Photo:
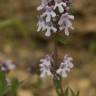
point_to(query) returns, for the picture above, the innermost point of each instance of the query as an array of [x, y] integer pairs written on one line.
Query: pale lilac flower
[[65, 23], [50, 28], [7, 66], [8, 81], [60, 5], [49, 13], [41, 24], [45, 67], [65, 66]]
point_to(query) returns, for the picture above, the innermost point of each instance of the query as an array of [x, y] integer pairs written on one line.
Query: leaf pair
[[70, 92], [8, 90]]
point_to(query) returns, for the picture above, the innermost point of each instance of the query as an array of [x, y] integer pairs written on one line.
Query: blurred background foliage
[[20, 42]]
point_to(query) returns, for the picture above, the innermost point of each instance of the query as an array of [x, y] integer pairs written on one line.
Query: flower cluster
[[47, 69], [65, 66], [45, 66], [55, 16]]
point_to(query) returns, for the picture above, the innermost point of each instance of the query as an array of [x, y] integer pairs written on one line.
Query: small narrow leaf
[[60, 39], [66, 93], [72, 92]]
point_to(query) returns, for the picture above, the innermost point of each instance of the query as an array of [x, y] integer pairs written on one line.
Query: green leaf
[[5, 89], [72, 92], [66, 93], [2, 76], [60, 39], [14, 87]]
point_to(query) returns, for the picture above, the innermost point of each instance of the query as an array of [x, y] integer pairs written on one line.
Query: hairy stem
[[57, 82], [55, 51]]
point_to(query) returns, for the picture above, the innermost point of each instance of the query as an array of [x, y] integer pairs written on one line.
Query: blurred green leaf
[[72, 92], [78, 93], [6, 23], [3, 84], [60, 39], [15, 84], [15, 23], [2, 76]]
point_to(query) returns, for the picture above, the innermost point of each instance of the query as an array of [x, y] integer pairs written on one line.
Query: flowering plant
[[55, 18], [7, 87]]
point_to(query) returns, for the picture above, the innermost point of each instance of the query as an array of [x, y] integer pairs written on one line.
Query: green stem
[[58, 87]]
